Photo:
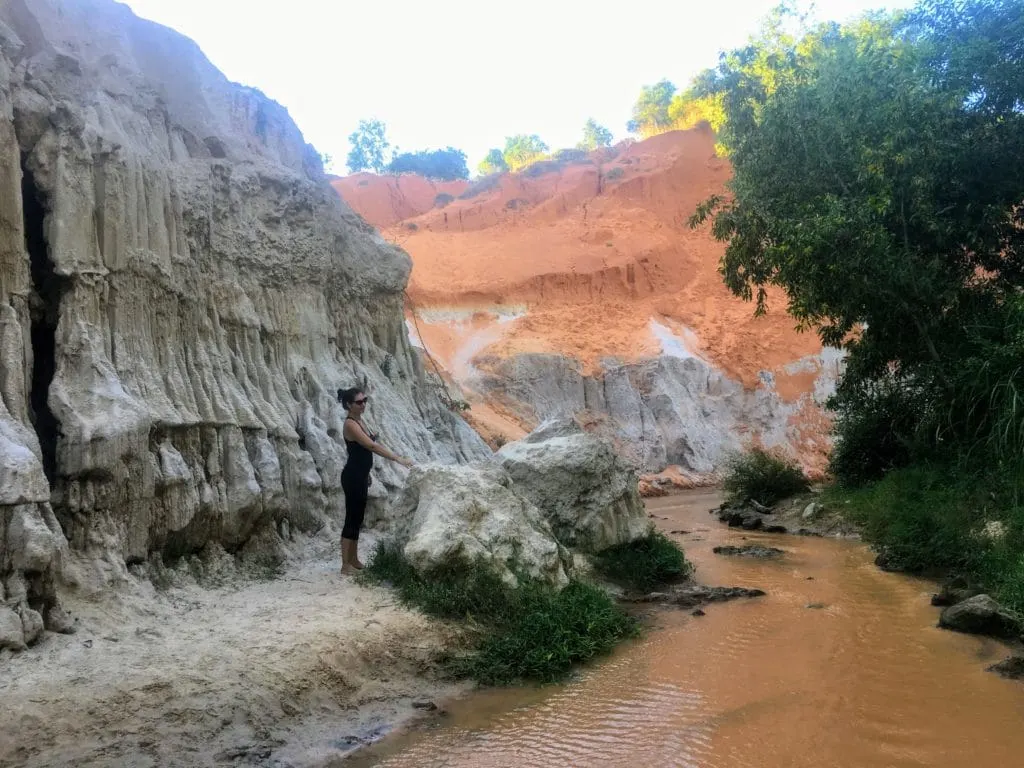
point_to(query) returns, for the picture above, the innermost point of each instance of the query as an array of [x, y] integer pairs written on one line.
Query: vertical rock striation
[[181, 295]]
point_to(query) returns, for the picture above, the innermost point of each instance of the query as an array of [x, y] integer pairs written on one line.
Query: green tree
[[369, 147], [650, 112], [523, 149], [876, 180], [442, 164], [595, 136], [494, 162]]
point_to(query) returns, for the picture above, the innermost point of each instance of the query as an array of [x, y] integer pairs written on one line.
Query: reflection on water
[[867, 681]]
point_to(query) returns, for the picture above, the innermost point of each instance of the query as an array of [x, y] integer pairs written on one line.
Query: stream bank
[[839, 664]]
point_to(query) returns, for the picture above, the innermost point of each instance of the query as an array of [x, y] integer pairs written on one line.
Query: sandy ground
[[290, 671]]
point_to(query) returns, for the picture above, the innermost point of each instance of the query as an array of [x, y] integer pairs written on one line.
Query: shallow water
[[866, 681]]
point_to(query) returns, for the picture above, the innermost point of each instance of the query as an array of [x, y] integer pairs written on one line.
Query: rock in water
[[183, 293], [452, 514], [752, 550], [980, 615], [587, 493], [955, 591], [1012, 668]]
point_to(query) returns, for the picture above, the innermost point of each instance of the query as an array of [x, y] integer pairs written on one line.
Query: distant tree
[[493, 163], [369, 147], [595, 136], [523, 149], [650, 112], [443, 164]]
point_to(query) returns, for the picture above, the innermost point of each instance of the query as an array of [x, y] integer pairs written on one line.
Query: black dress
[[355, 482]]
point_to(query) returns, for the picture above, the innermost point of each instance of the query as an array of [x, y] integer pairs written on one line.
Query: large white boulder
[[586, 492], [452, 513]]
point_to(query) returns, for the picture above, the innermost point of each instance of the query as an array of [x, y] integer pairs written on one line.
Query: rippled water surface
[[867, 681]]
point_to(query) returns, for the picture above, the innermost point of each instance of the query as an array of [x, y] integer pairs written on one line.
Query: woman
[[355, 478]]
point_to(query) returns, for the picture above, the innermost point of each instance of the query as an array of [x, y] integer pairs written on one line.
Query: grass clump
[[931, 519], [645, 564], [529, 632], [764, 476]]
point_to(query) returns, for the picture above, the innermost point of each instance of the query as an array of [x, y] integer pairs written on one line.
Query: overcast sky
[[464, 73]]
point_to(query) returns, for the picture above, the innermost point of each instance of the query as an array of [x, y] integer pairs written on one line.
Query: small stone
[[816, 606], [809, 578], [428, 706], [775, 529], [698, 612], [811, 511], [1012, 668], [32, 625], [57, 620], [12, 635]]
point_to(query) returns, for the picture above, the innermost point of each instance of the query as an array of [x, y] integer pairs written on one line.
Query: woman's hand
[[405, 462]]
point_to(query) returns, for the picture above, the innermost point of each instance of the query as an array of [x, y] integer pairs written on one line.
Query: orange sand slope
[[592, 260]]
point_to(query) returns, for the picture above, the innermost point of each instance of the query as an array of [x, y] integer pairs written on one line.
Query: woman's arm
[[355, 432]]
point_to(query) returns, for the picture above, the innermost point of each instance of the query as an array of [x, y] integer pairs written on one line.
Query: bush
[[532, 632], [572, 156], [442, 199], [541, 167], [764, 476], [876, 428], [614, 174], [443, 164], [917, 521], [644, 564], [481, 185]]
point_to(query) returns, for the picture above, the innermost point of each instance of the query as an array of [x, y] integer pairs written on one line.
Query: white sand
[[286, 672]]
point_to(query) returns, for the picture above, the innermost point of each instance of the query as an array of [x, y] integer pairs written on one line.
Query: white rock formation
[[181, 295], [585, 491], [667, 411], [448, 514]]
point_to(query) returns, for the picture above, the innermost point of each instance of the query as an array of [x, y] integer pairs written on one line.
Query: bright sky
[[465, 73]]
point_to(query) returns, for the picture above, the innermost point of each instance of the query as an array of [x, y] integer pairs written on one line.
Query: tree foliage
[[650, 112], [442, 164], [369, 147], [877, 181], [523, 149], [594, 136], [494, 162]]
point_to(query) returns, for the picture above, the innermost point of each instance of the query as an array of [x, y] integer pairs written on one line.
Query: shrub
[[764, 476], [443, 164], [532, 631], [442, 199], [644, 564], [572, 156], [614, 174], [541, 167], [481, 185]]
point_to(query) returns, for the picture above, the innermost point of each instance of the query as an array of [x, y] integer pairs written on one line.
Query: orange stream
[[866, 682]]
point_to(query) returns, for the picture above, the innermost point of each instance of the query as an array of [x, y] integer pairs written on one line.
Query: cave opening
[[45, 310]]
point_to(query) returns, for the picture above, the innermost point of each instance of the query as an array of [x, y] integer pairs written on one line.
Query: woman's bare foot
[[359, 565], [349, 569]]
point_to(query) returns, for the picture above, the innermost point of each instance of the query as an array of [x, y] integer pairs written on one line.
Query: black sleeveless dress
[[355, 482]]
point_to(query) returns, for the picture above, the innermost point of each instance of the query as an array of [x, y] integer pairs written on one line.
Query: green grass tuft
[[532, 632], [929, 519], [645, 564], [764, 476]]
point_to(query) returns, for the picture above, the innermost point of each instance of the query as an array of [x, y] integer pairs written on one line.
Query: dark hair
[[348, 396]]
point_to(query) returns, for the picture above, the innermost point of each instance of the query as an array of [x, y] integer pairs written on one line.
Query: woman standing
[[355, 478]]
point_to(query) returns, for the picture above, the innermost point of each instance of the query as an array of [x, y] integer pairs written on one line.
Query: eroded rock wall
[[666, 411], [181, 295]]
